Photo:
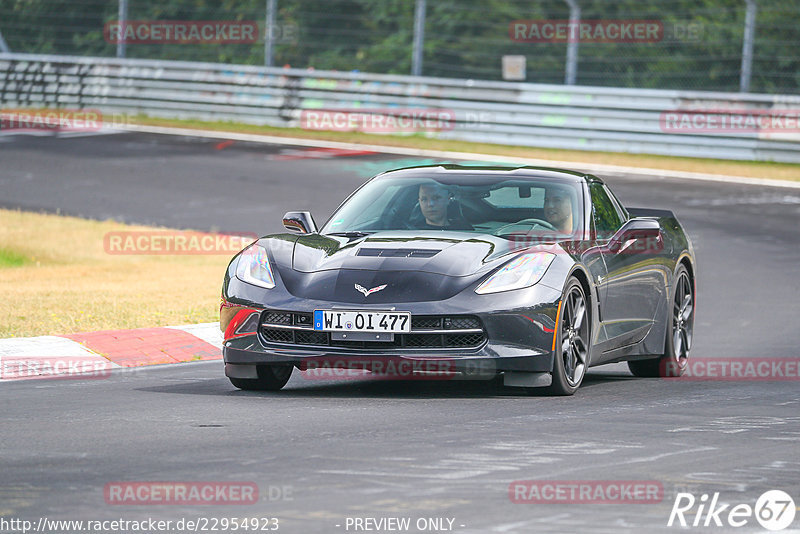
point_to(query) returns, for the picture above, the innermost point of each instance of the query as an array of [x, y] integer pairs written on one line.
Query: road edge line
[[404, 151]]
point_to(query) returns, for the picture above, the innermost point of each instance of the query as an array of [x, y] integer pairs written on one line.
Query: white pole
[[269, 33], [3, 46], [572, 45], [419, 38], [122, 17], [747, 46]]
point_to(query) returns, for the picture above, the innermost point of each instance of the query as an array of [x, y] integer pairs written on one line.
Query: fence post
[[572, 42], [419, 38], [269, 32], [3, 46], [747, 46], [122, 18]]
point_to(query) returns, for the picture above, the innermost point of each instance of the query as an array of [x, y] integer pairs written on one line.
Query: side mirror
[[299, 221], [637, 228]]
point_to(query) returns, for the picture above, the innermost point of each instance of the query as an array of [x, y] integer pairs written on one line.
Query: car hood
[[411, 266], [435, 252]]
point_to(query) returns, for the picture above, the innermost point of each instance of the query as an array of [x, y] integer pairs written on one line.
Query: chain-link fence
[[667, 44]]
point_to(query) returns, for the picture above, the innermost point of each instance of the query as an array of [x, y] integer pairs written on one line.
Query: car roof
[[523, 171]]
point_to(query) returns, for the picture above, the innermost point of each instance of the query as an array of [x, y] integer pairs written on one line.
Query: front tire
[[675, 360], [270, 378], [573, 339]]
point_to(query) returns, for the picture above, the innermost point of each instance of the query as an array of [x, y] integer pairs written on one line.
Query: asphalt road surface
[[327, 453]]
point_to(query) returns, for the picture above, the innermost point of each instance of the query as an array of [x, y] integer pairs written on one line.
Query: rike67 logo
[[774, 510]]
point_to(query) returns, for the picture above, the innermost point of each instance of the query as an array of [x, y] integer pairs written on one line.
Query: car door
[[634, 284]]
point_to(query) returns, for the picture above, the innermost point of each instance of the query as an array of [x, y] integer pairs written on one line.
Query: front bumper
[[518, 328]]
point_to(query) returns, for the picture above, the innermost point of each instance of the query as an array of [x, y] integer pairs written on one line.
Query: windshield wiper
[[351, 234]]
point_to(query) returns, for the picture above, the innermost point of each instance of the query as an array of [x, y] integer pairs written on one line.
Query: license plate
[[361, 321]]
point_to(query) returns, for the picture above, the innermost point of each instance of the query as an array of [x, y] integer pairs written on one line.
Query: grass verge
[[10, 258], [753, 169], [57, 278]]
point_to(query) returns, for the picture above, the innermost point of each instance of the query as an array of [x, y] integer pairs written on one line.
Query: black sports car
[[532, 273]]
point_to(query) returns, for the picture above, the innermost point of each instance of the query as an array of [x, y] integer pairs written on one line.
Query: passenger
[[558, 209]]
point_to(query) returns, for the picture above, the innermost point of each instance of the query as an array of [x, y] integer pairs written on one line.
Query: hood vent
[[398, 252]]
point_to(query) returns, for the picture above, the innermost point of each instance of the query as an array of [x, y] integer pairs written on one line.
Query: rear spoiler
[[650, 212]]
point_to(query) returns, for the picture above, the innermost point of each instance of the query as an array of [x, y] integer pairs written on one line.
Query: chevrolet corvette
[[532, 274]]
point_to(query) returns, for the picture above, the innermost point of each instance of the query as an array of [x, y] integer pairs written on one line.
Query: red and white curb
[[96, 354], [318, 153]]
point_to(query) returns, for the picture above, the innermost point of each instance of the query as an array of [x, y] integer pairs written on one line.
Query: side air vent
[[398, 252]]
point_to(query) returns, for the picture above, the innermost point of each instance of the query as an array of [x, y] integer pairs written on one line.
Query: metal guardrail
[[524, 114]]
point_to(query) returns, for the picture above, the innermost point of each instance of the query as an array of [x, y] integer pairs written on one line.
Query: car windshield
[[486, 204]]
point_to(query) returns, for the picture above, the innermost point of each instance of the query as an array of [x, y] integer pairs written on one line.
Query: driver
[[558, 209], [433, 202]]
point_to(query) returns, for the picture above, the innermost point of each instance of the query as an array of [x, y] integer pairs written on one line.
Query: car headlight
[[253, 267], [523, 271]]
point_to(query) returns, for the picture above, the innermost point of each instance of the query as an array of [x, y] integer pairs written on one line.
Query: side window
[[604, 215], [620, 208]]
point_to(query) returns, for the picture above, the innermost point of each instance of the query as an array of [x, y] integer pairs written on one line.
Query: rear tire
[[573, 339], [270, 378], [679, 332]]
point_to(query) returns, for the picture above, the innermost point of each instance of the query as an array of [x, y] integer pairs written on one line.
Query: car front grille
[[280, 318], [427, 331]]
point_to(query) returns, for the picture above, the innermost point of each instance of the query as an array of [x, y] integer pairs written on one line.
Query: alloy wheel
[[574, 336]]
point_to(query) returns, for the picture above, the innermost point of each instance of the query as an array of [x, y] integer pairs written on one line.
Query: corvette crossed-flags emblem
[[368, 292]]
